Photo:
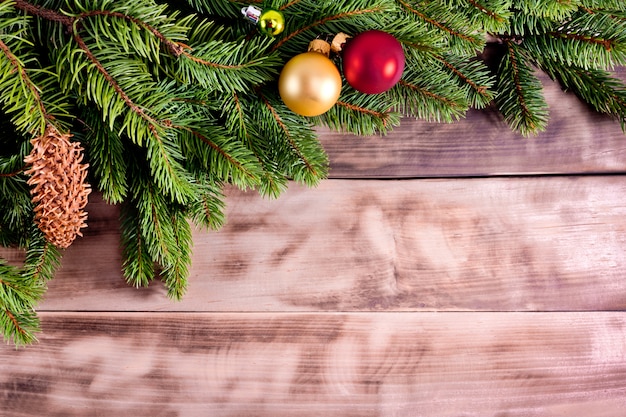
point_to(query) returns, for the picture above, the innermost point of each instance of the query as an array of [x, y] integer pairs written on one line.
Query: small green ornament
[[270, 22]]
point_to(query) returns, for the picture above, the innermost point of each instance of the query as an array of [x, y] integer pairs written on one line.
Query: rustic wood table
[[443, 270]]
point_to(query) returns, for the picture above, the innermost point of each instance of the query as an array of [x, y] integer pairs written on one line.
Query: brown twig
[[480, 89], [430, 94], [485, 10], [47, 14], [20, 69], [435, 23], [322, 21], [286, 131], [606, 43], [518, 86], [175, 48], [380, 115], [15, 322], [216, 148]]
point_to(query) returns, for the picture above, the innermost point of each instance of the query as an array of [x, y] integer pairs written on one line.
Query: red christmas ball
[[373, 61]]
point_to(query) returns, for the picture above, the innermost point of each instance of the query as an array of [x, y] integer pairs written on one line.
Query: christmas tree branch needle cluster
[[158, 105]]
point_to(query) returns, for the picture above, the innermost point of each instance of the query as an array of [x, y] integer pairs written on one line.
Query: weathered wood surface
[[500, 244], [576, 141], [340, 364], [463, 285]]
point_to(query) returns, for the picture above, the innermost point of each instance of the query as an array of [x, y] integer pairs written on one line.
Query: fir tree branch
[[599, 88], [437, 24], [138, 265], [19, 91], [384, 117], [285, 130], [208, 209], [487, 11], [21, 289], [40, 11], [233, 161], [520, 98], [492, 17], [167, 171], [613, 100], [243, 131], [162, 160], [12, 174], [16, 215], [175, 48], [286, 5], [586, 40], [69, 23], [429, 94], [216, 65], [7, 284], [519, 89], [323, 21], [556, 10], [237, 119], [419, 101], [42, 258], [162, 235], [106, 156], [71, 26], [113, 83], [18, 329], [482, 90], [225, 65], [175, 274], [155, 226], [607, 44], [361, 114], [26, 81], [18, 295]]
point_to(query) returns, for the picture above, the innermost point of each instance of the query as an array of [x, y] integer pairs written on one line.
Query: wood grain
[[494, 244], [576, 141], [350, 364], [484, 293]]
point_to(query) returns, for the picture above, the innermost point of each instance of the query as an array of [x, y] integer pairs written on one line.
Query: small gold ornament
[[310, 83], [58, 186]]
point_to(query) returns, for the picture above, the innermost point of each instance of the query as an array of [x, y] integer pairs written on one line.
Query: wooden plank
[[577, 140], [554, 243], [286, 364]]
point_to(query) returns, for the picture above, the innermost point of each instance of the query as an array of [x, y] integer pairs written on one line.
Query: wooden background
[[444, 270]]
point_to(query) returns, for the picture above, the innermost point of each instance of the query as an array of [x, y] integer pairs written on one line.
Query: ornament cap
[[339, 41], [320, 46], [252, 13]]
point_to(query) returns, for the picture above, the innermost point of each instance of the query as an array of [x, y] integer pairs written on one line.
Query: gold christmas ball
[[309, 84]]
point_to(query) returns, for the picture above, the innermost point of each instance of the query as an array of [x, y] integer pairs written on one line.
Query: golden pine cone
[[58, 184]]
